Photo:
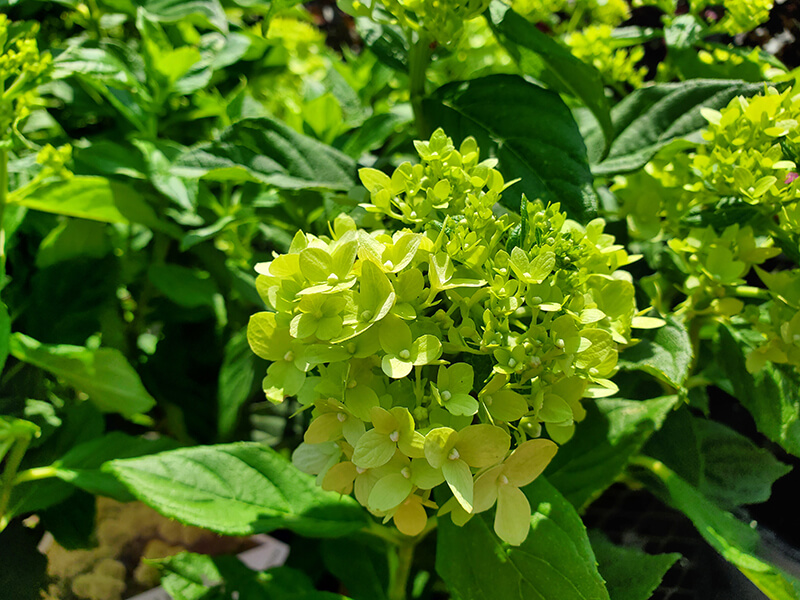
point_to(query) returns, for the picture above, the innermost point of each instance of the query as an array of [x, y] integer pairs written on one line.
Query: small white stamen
[[446, 395], [394, 436], [342, 417], [406, 472], [454, 455]]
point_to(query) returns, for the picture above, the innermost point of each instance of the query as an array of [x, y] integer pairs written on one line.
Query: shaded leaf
[[665, 353]]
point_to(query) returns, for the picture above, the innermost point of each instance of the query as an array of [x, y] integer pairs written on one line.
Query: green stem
[[35, 474], [3, 198], [398, 583], [418, 60], [9, 476], [749, 291]]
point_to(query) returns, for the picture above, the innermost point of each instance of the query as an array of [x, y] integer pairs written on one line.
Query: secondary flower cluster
[[745, 172], [427, 350]]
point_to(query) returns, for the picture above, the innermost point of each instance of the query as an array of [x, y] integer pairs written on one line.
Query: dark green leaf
[[24, 570], [236, 378], [772, 395], [5, 334], [630, 574], [612, 433], [268, 151], [529, 129], [665, 353], [183, 286], [103, 374], [202, 12], [723, 465], [540, 56], [555, 562], [374, 132], [238, 489], [363, 570], [72, 522], [653, 116], [737, 542]]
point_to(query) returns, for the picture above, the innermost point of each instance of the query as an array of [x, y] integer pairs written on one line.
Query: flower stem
[[418, 60], [398, 583], [10, 475]]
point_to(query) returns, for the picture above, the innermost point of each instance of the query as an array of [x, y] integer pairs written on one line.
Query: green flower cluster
[[21, 70], [439, 20], [742, 16], [747, 167], [594, 45], [427, 349], [604, 12]]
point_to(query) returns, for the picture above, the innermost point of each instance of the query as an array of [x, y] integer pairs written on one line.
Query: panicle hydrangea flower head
[[434, 350]]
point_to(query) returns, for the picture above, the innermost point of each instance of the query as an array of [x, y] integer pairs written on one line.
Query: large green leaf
[[653, 116], [95, 198], [772, 395], [736, 541], [540, 56], [103, 374], [184, 286], [5, 334], [630, 574], [238, 489], [24, 571], [722, 464], [612, 433], [665, 353], [268, 151], [555, 562], [531, 132]]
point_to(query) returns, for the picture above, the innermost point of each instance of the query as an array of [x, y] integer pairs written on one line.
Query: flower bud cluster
[[22, 68], [425, 351], [745, 172], [594, 46]]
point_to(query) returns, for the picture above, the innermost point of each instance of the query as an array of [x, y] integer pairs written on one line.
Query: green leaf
[[555, 561], [374, 132], [81, 466], [722, 464], [653, 116], [736, 541], [184, 286], [5, 334], [531, 132], [612, 433], [95, 198], [103, 374], [201, 12], [772, 395], [543, 58], [268, 151], [236, 377], [362, 569], [72, 522], [665, 353], [238, 489], [630, 574]]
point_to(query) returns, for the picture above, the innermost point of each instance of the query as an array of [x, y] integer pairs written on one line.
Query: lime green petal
[[329, 327], [344, 256], [512, 522], [363, 485], [376, 295], [412, 444], [324, 428], [485, 493], [561, 434], [395, 367], [506, 405], [340, 478], [555, 410], [395, 336], [425, 350], [373, 450], [360, 400], [459, 378], [315, 264], [312, 458], [438, 444], [410, 518], [528, 461], [459, 478], [266, 339], [353, 429], [483, 445], [383, 420], [462, 405], [541, 267], [389, 492], [425, 476]]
